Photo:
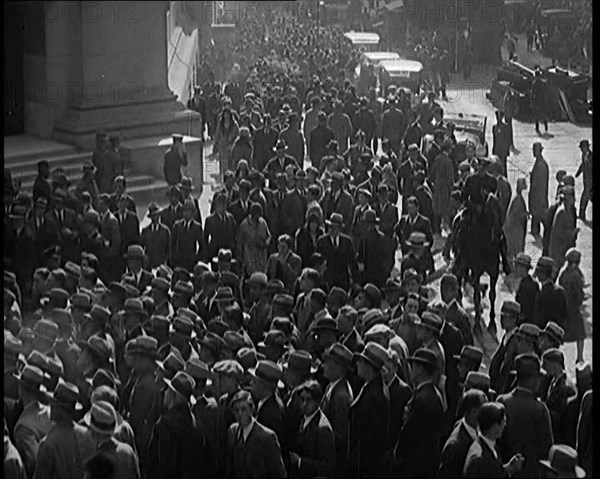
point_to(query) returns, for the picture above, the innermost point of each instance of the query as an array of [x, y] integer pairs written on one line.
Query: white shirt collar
[[309, 418], [248, 429], [470, 430], [491, 444]]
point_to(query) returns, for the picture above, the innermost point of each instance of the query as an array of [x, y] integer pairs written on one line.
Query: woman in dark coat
[[307, 236]]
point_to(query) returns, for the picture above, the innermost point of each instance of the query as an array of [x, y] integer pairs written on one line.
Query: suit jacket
[[172, 166], [528, 429], [369, 429], [526, 296], [114, 207], [294, 206], [187, 244], [259, 456], [273, 168], [41, 188], [400, 394], [316, 447], [336, 406], [550, 305], [142, 396], [585, 434], [481, 461], [144, 281], [219, 232], [271, 414], [238, 211], [46, 235], [405, 228], [341, 261], [369, 252], [498, 374], [344, 205], [110, 230], [418, 448], [286, 271], [304, 245], [557, 396], [169, 215], [455, 452], [157, 242], [130, 230], [67, 241]]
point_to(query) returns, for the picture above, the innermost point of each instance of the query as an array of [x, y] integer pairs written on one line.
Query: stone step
[[71, 163], [146, 193], [132, 181], [29, 149]]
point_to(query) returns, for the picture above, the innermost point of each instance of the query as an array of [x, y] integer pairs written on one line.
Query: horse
[[479, 252]]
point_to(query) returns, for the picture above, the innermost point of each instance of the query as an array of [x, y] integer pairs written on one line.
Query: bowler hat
[[268, 372], [424, 356], [183, 384], [554, 331], [562, 461], [335, 219], [374, 354]]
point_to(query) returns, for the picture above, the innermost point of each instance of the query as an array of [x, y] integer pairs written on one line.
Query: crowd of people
[[277, 336]]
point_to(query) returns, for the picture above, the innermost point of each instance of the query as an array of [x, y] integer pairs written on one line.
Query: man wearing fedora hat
[[136, 274], [34, 421], [102, 423], [370, 260], [220, 227], [338, 250], [63, 451], [562, 461], [175, 447], [111, 232], [538, 192], [417, 452], [528, 425], [278, 163], [559, 391], [156, 238], [186, 188], [369, 415], [337, 200], [284, 265], [173, 211], [527, 289], [551, 302], [583, 377], [188, 242], [175, 157], [319, 139]]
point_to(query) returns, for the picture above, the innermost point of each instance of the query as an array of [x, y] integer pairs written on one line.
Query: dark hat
[[554, 331], [72, 268], [554, 355], [135, 251], [511, 307], [224, 293], [370, 217], [100, 313], [172, 363], [58, 295], [102, 418], [528, 331], [301, 361], [410, 274], [283, 299], [144, 346], [562, 461], [218, 326], [545, 263], [31, 376], [478, 380], [186, 183], [371, 318], [61, 316], [134, 305], [184, 288], [184, 326], [325, 323], [213, 342], [153, 210], [130, 290], [337, 295], [228, 367], [66, 395], [233, 341], [160, 284], [197, 369], [583, 372], [337, 176], [584, 143], [183, 384], [117, 288], [273, 338], [82, 301], [431, 321], [378, 330], [258, 279], [177, 138], [12, 346], [245, 185], [224, 256], [523, 259], [335, 219], [159, 324], [97, 346], [424, 356], [103, 378], [340, 353], [470, 354], [247, 357], [374, 354], [268, 372], [527, 365]]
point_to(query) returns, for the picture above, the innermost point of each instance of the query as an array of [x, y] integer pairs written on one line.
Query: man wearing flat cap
[[528, 426], [175, 158]]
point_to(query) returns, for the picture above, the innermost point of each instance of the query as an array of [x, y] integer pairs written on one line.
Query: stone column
[[113, 55]]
